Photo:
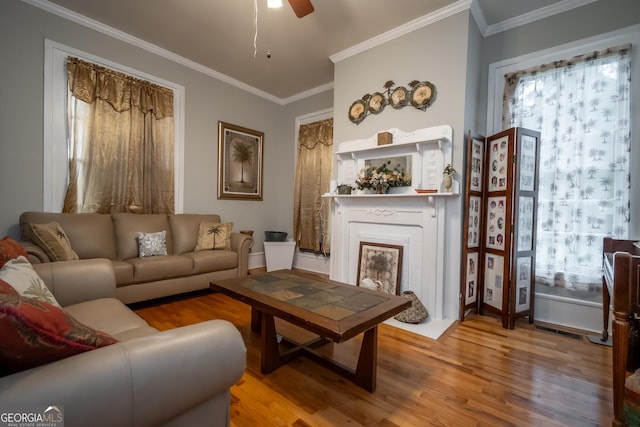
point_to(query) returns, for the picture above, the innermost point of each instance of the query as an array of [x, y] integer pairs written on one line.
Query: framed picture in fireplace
[[380, 267]]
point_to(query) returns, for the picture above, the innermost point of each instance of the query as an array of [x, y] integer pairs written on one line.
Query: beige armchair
[[179, 377]]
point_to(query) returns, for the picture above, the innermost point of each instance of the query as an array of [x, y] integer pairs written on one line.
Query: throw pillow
[[53, 241], [20, 274], [35, 332], [10, 249], [152, 244], [212, 235]]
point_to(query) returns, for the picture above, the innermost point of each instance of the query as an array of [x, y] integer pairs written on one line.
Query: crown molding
[[416, 24], [536, 15], [149, 47], [423, 21], [307, 93], [478, 15]]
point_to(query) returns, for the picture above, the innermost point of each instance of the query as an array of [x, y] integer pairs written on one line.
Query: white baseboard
[[257, 260], [311, 262], [302, 260]]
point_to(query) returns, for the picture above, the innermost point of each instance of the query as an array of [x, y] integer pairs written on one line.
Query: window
[[120, 140], [314, 165], [581, 107]]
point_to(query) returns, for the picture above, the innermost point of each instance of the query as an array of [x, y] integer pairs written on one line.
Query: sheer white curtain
[[582, 109]]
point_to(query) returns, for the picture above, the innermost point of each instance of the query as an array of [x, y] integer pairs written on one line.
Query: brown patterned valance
[[89, 81]]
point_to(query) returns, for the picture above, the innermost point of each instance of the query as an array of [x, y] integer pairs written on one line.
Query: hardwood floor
[[476, 374]]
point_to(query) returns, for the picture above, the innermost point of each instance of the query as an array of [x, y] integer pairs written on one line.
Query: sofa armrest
[[145, 381], [72, 282], [34, 252], [242, 244]]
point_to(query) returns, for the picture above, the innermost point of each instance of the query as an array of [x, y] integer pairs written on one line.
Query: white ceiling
[[219, 34]]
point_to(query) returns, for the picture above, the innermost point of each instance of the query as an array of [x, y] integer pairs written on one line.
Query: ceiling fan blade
[[301, 7]]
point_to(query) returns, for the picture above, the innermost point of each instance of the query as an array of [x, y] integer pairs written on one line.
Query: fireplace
[[414, 221]]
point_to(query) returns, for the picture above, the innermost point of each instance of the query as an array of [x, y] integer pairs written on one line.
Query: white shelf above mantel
[[429, 199], [407, 141], [358, 196]]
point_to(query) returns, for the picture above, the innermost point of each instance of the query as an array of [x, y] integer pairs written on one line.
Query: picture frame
[[240, 162], [382, 264], [471, 294], [477, 158]]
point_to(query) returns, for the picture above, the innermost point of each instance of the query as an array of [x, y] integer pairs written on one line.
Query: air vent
[[559, 332]]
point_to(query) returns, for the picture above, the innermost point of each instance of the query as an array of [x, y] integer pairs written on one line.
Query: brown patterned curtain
[[313, 174], [121, 142]]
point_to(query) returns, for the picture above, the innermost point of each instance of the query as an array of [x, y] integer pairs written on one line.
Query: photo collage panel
[[497, 228], [525, 223], [476, 165], [523, 283], [527, 163], [498, 164], [494, 280], [475, 220], [472, 278]]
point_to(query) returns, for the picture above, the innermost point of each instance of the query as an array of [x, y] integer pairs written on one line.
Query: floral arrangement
[[380, 178], [449, 170]]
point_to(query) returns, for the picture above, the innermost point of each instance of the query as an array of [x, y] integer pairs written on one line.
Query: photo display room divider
[[500, 225]]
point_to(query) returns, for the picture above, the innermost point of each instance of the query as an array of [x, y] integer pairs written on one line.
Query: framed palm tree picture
[[240, 160]]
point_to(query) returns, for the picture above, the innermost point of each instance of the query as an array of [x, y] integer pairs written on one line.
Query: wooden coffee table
[[333, 311]]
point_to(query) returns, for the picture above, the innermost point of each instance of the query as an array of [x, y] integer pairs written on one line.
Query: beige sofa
[[179, 377], [114, 236]]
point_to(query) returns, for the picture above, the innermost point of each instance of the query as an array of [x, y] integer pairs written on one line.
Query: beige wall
[[24, 28]]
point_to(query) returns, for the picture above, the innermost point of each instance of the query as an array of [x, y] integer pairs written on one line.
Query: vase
[[381, 190], [447, 181]]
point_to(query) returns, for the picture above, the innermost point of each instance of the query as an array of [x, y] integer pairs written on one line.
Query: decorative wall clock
[[377, 103], [357, 111], [398, 97], [422, 94]]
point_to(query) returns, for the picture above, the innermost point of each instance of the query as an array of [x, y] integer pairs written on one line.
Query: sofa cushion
[[206, 261], [158, 268], [35, 332], [124, 272], [214, 235], [128, 225], [53, 241], [184, 230], [77, 226], [22, 277], [10, 249], [111, 316], [152, 244]]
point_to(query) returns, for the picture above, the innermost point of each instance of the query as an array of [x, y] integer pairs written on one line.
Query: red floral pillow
[[35, 332], [10, 249]]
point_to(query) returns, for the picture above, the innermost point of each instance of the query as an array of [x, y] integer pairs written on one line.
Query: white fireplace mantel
[[414, 221], [429, 150]]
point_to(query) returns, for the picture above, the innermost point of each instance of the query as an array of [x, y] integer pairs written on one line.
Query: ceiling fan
[[301, 7]]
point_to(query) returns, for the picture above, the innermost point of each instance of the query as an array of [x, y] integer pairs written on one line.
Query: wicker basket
[[414, 314]]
